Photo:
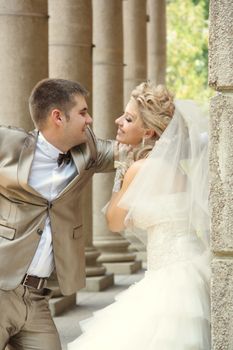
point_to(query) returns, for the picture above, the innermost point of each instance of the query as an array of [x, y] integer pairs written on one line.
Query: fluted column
[[24, 57], [107, 105], [135, 70], [156, 41], [221, 170], [135, 45], [70, 57]]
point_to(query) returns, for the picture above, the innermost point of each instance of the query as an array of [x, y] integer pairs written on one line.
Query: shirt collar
[[50, 150]]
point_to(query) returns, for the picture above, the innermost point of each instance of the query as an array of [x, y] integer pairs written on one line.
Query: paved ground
[[87, 302]]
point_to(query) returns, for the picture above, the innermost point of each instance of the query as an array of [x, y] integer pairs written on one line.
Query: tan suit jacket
[[23, 211]]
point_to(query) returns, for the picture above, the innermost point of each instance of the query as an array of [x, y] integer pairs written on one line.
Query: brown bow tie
[[63, 158]]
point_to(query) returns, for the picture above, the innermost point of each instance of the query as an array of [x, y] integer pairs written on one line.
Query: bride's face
[[130, 128]]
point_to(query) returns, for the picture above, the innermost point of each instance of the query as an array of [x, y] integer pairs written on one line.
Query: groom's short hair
[[53, 93]]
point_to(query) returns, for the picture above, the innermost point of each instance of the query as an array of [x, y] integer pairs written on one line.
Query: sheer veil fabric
[[175, 172]]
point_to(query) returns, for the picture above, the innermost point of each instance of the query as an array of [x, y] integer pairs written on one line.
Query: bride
[[164, 193]]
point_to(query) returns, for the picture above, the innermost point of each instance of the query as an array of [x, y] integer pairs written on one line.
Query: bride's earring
[[143, 142]]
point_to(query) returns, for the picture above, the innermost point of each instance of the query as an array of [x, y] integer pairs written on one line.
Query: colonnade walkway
[[88, 302]]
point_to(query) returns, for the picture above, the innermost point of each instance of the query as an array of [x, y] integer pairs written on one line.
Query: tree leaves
[[187, 49]]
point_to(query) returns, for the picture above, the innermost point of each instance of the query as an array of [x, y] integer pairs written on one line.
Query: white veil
[[172, 184]]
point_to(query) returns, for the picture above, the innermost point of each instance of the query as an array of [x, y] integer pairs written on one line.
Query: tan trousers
[[25, 320]]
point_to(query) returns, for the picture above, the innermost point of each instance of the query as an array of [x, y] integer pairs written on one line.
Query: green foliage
[[187, 49]]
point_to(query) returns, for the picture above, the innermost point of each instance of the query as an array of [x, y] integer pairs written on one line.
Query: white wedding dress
[[169, 309]]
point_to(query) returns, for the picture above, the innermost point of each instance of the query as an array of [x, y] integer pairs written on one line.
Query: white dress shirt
[[49, 180]]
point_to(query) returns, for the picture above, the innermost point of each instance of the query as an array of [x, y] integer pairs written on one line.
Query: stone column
[[135, 45], [70, 57], [221, 170], [107, 105], [24, 57], [135, 70], [156, 41]]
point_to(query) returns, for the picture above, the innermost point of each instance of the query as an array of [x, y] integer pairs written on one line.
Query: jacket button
[[39, 231]]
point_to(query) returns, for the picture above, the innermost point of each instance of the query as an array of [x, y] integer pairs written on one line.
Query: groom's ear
[[56, 116]]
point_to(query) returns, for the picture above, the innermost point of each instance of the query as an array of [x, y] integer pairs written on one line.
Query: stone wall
[[221, 171]]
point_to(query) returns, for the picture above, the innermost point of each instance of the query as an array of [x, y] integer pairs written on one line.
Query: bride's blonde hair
[[156, 108]]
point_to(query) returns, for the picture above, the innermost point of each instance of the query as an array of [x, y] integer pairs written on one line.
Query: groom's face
[[78, 119], [130, 128]]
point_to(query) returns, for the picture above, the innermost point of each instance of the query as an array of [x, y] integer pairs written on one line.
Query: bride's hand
[[123, 160]]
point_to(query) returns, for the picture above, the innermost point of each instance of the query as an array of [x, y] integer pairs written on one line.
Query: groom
[[42, 174]]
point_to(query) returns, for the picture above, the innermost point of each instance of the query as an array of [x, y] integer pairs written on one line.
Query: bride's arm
[[115, 216]]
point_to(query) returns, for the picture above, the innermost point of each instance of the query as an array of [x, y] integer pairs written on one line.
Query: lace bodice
[[169, 242], [169, 236]]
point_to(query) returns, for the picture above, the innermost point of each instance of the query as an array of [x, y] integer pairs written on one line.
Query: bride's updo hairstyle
[[156, 108]]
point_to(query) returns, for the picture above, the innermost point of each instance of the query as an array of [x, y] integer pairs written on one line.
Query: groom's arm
[[106, 150], [11, 142], [103, 152]]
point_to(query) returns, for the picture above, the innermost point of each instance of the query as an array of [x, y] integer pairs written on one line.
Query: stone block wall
[[221, 172]]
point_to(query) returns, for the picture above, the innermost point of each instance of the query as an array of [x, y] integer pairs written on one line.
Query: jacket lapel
[[80, 164], [25, 161], [78, 159]]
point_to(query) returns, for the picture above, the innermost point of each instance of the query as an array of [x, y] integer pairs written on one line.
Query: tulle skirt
[[169, 309]]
